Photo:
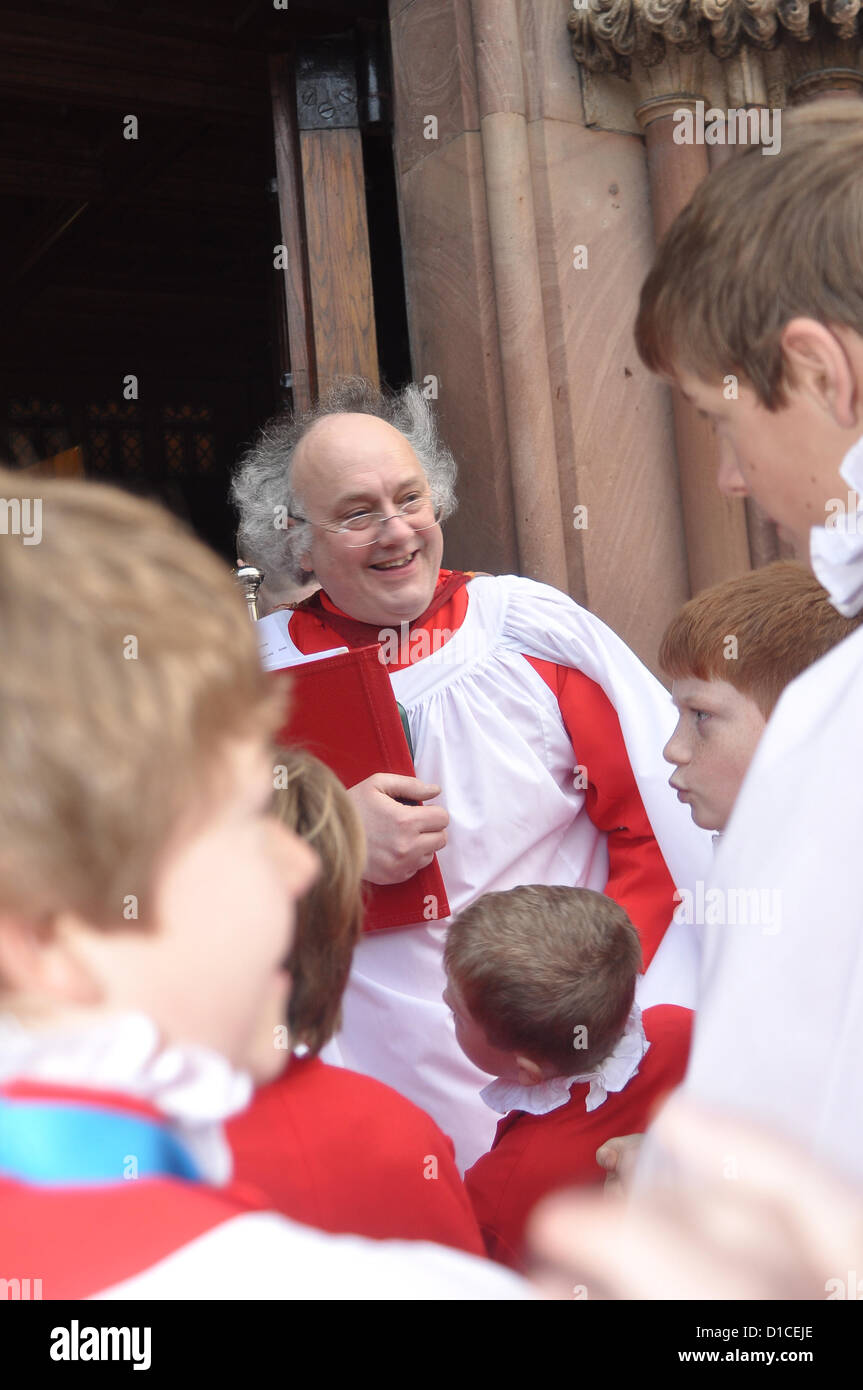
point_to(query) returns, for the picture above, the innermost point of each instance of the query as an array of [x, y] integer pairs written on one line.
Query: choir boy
[[329, 1146], [729, 653], [754, 308], [541, 983]]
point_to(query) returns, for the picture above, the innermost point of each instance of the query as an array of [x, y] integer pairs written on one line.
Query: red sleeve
[[532, 1156], [497, 1193], [347, 1154], [638, 877]]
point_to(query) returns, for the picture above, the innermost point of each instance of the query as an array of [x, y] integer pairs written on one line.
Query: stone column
[[716, 537], [518, 292]]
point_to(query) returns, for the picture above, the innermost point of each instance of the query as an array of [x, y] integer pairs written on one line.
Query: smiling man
[[537, 733], [385, 573]]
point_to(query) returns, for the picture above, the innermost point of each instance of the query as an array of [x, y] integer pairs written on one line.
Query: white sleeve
[[544, 623], [264, 1256]]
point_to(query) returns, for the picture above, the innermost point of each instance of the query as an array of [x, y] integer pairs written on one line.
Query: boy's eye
[[700, 715]]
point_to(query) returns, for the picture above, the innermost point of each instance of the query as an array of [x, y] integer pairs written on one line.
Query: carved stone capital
[[815, 84], [609, 35]]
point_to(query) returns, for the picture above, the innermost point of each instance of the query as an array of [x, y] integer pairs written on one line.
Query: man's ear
[[38, 961], [817, 363], [529, 1073], [305, 557]]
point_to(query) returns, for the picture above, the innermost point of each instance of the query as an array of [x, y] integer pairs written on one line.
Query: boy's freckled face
[[717, 732], [473, 1042]]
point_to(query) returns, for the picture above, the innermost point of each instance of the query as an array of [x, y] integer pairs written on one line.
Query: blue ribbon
[[64, 1143]]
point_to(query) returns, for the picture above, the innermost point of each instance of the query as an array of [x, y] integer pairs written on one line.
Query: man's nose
[[729, 479], [395, 528]]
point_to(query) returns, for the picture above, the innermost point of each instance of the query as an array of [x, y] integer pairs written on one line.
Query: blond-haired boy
[[147, 904]]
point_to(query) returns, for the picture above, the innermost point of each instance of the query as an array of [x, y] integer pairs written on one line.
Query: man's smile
[[402, 563]]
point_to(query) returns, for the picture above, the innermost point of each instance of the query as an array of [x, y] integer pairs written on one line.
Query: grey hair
[[262, 488]]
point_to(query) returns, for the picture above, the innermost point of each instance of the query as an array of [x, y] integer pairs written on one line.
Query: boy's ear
[[529, 1073], [818, 364], [36, 961]]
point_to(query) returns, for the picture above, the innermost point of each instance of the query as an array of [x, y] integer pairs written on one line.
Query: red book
[[343, 710]]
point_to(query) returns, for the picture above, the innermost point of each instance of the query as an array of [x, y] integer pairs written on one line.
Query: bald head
[[338, 448]]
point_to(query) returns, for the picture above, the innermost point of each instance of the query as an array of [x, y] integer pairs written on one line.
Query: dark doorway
[[141, 309]]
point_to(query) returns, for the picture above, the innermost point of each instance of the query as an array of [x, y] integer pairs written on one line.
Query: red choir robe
[[80, 1236], [347, 1154], [534, 1155], [79, 1219]]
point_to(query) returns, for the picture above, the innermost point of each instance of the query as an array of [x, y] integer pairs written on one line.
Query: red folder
[[343, 710]]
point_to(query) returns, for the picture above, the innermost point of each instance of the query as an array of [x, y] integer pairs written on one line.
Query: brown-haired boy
[[541, 983], [147, 901], [324, 1142], [757, 286], [759, 278]]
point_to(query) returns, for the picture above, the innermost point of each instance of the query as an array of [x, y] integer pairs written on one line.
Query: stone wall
[[526, 339]]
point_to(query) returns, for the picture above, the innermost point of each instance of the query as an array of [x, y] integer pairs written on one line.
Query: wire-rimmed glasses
[[370, 525]]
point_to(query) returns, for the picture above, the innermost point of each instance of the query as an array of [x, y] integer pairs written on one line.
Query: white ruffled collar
[[837, 550], [195, 1088], [611, 1075]]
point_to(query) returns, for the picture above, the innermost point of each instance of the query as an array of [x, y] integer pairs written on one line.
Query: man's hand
[[399, 839]]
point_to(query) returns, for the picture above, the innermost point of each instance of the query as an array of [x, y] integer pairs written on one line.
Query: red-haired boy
[[729, 653]]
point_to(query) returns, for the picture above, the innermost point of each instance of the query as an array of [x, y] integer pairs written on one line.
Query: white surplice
[[488, 729]]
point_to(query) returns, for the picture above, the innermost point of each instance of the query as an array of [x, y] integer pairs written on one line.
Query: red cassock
[[534, 1155], [347, 1154]]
